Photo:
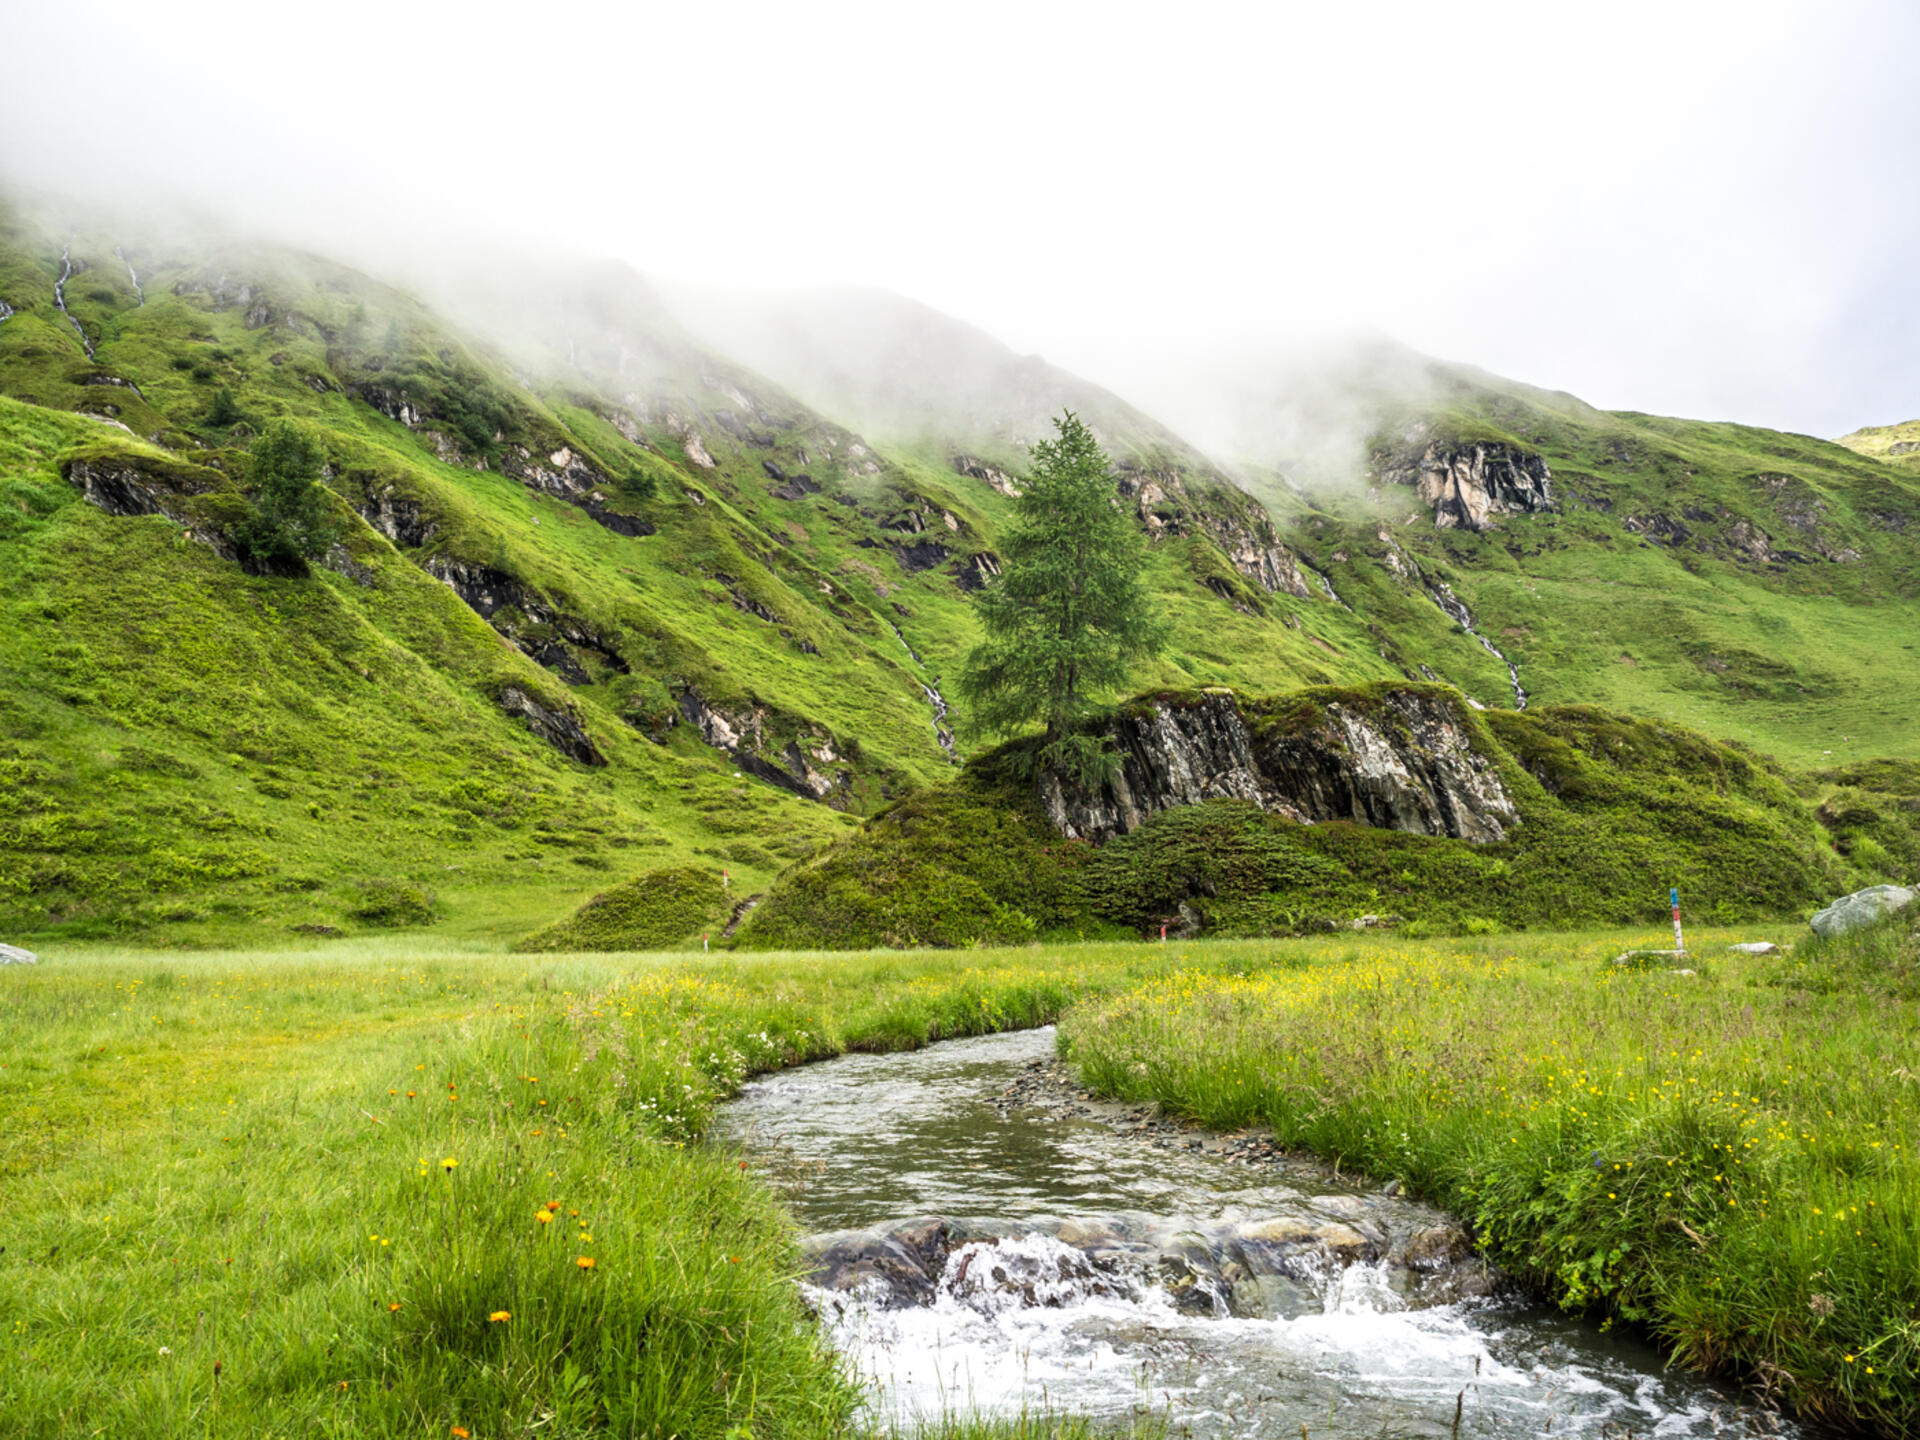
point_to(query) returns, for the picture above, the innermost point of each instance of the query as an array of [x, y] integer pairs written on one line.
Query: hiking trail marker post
[[1643, 959]]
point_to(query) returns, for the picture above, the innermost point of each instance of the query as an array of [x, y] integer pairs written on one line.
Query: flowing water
[[974, 1250]]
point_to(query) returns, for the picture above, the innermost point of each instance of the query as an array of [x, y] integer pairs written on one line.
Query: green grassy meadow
[[303, 1190]]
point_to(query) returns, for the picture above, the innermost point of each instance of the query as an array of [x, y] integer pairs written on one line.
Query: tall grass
[[264, 1193], [1727, 1157]]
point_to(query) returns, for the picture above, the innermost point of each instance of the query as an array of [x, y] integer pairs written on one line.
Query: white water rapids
[[1083, 1270]]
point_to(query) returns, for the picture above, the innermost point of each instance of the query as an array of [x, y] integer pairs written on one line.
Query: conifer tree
[[292, 521], [1068, 616]]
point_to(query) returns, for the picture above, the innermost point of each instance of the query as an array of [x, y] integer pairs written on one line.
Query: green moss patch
[[654, 911]]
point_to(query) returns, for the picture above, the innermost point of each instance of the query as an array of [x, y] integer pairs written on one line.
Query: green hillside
[[1747, 583], [1743, 582], [737, 606], [1898, 443], [608, 602]]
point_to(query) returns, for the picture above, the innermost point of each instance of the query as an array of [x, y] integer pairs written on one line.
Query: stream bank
[[985, 1236]]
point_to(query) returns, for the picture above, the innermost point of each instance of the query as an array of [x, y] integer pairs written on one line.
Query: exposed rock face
[[691, 443], [1803, 510], [556, 727], [1267, 563], [14, 955], [1861, 909], [632, 526], [976, 570], [124, 487], [1168, 508], [1660, 529], [403, 521], [923, 555], [1751, 541], [976, 468], [525, 617], [1405, 763], [562, 473], [1466, 484], [801, 765], [390, 403]]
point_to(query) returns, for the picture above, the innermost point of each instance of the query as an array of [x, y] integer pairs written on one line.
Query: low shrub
[[657, 910], [392, 904]]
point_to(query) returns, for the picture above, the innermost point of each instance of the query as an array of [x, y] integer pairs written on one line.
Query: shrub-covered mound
[[1612, 811], [654, 911]]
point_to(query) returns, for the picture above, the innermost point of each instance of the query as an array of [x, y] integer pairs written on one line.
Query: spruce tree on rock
[[1068, 617]]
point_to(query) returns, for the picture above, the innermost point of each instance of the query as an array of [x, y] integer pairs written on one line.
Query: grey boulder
[[14, 955], [1755, 947], [1860, 909]]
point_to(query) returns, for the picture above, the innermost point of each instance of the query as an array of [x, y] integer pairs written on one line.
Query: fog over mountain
[[1695, 209]]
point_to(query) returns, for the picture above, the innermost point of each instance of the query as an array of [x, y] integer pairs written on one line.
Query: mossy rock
[[656, 910]]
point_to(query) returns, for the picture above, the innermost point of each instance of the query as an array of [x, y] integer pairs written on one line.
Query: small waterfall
[[1457, 611], [942, 727], [60, 297], [132, 279], [1327, 585]]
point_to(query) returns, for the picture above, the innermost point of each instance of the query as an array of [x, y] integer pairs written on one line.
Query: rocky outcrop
[[401, 519], [562, 473], [691, 444], [1167, 508], [975, 468], [1267, 563], [554, 725], [776, 748], [127, 486], [390, 402], [1749, 540], [1802, 509], [921, 555], [1395, 759], [1466, 483], [527, 618], [14, 955], [618, 521]]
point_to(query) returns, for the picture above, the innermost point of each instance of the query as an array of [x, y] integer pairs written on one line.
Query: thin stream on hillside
[[975, 1251], [1456, 610]]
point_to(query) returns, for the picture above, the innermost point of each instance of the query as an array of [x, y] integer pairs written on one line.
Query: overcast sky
[[1699, 209]]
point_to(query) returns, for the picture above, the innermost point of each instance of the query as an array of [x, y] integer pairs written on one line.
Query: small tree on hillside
[[1068, 617], [291, 520]]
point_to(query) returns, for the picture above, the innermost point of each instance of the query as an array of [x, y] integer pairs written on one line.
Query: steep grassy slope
[[190, 751], [1745, 582], [699, 581], [1741, 581]]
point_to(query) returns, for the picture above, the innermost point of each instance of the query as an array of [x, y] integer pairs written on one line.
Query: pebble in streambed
[[987, 1236]]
